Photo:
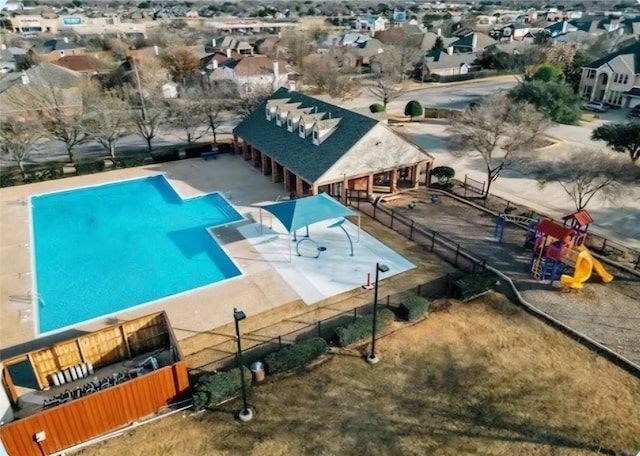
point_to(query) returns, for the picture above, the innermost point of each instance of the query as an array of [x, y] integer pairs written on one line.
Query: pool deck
[[263, 286]]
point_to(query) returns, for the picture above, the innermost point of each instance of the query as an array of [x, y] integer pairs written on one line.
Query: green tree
[[413, 109], [573, 72], [624, 138], [555, 99], [548, 73], [499, 60], [438, 45]]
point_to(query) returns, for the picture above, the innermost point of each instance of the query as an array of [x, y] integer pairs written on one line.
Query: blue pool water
[[103, 249]]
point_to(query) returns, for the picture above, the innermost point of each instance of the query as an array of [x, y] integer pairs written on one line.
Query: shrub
[[444, 174], [471, 286], [296, 355], [413, 109], [132, 161], [361, 327], [377, 107], [165, 156], [7, 180], [414, 307], [89, 166], [212, 389], [54, 171]]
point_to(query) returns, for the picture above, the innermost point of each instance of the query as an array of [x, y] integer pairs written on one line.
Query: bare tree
[[187, 115], [250, 101], [496, 129], [386, 90], [298, 44], [147, 123], [323, 73], [583, 174], [400, 55], [181, 63], [107, 121], [152, 75], [18, 139]]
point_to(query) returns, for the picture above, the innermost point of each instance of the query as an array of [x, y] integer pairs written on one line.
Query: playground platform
[[608, 313]]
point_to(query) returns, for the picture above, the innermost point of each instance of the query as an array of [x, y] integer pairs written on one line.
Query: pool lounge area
[[268, 280]]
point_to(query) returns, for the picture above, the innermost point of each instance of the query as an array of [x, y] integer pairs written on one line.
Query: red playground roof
[[553, 229], [581, 217]]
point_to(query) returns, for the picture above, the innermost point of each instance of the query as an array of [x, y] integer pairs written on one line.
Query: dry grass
[[485, 379]]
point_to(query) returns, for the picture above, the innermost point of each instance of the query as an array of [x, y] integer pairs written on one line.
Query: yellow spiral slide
[[585, 264]]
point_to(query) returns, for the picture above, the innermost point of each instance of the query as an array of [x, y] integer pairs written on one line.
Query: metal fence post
[[391, 225], [279, 342], [457, 254], [604, 244], [374, 212], [355, 313], [433, 240], [484, 265], [411, 231], [319, 329], [637, 265]]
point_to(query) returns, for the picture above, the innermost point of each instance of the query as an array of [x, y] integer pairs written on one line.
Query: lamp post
[[245, 414], [372, 358]]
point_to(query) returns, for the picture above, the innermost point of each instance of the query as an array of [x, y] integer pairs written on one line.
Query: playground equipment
[[501, 223], [556, 248]]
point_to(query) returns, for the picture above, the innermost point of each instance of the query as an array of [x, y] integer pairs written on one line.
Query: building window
[[625, 79], [268, 113], [289, 124], [591, 74], [301, 130], [316, 137], [615, 78], [586, 91]]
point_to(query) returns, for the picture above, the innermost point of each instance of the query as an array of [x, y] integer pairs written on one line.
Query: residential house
[[218, 59], [364, 53], [11, 58], [312, 146], [472, 42], [429, 40], [270, 45], [512, 31], [372, 24], [448, 63], [615, 78], [598, 25], [232, 43], [559, 29], [53, 50], [43, 78], [556, 15], [86, 65], [252, 72]]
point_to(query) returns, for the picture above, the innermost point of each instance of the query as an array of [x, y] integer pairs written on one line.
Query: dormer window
[[316, 137], [278, 118], [301, 130], [267, 111], [289, 123]]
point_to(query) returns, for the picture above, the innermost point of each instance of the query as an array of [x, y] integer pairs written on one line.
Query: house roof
[[551, 228], [438, 60], [483, 40], [429, 40], [55, 45], [633, 51], [258, 65], [83, 64], [582, 217], [43, 74], [634, 92], [298, 154], [368, 48]]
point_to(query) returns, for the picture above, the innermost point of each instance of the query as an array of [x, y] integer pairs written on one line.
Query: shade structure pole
[[288, 239], [358, 228]]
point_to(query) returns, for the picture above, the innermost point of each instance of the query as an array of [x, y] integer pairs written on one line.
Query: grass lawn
[[484, 379]]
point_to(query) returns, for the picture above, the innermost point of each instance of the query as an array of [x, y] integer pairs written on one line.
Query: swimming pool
[[103, 249]]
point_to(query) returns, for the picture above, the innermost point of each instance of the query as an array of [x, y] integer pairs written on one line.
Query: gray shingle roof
[[634, 49], [300, 155]]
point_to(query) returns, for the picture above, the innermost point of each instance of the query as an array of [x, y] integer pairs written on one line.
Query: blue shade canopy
[[298, 213]]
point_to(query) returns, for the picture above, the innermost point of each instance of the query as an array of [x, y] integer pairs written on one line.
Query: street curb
[[440, 85]]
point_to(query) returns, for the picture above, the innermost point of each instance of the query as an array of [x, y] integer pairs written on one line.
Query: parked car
[[635, 112], [596, 106]]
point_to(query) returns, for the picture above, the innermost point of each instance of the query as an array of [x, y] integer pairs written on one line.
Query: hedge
[[7, 179], [414, 307], [132, 161], [362, 327], [165, 156], [89, 166], [51, 172], [296, 355], [473, 285], [212, 389]]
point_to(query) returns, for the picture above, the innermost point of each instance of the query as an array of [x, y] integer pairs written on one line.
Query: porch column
[[393, 185], [415, 175], [287, 184], [345, 190], [299, 187], [274, 172], [254, 156], [427, 173], [370, 185], [263, 160], [314, 189], [236, 146]]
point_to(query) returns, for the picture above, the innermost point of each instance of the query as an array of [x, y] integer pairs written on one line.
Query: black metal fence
[[324, 328]]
